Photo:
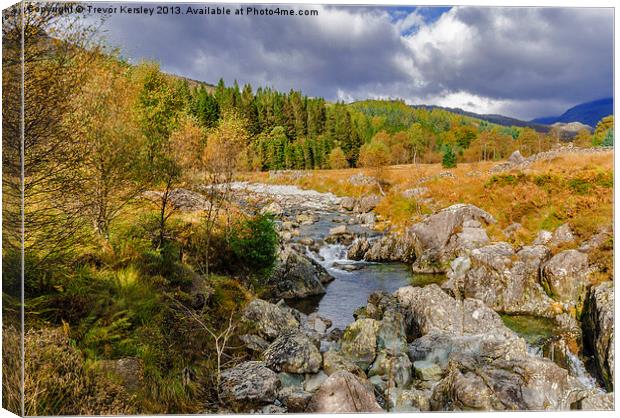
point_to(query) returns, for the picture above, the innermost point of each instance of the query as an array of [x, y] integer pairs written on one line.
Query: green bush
[[449, 158], [254, 243]]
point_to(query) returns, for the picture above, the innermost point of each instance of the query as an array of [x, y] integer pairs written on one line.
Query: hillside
[[589, 113], [492, 118]]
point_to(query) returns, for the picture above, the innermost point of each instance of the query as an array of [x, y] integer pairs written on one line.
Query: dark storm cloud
[[520, 61]]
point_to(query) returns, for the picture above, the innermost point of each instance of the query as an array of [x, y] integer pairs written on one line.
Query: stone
[[415, 192], [426, 370], [268, 320], [543, 238], [598, 330], [506, 281], [272, 208], [565, 276], [396, 369], [516, 157], [296, 276], [249, 383], [307, 218], [254, 342], [598, 240], [333, 362], [598, 402], [338, 230], [367, 203], [368, 218], [314, 381], [359, 342], [288, 380], [436, 241], [343, 392], [347, 203], [295, 400], [390, 247], [562, 235], [358, 249], [489, 374], [431, 309], [293, 353], [411, 400]]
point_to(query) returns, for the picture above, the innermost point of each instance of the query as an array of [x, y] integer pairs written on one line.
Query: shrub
[[254, 243], [374, 154], [337, 159], [449, 158]]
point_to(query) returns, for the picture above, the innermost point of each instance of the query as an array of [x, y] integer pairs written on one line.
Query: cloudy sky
[[521, 62]]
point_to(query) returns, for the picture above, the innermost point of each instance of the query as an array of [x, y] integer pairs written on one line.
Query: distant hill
[[497, 119], [589, 113]]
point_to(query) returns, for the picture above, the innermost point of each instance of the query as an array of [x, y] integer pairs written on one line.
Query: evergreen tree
[[449, 158]]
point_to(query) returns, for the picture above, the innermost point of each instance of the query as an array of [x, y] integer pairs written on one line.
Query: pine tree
[[449, 158]]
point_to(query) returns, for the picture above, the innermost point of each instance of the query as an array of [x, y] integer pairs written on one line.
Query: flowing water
[[350, 289]]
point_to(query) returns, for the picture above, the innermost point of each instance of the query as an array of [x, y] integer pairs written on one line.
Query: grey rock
[[506, 281], [562, 235], [254, 342], [598, 402], [314, 381], [565, 276], [543, 238], [343, 392], [426, 370], [436, 240], [359, 342], [272, 208], [296, 276], [516, 157], [598, 330], [367, 203], [347, 203], [248, 383], [395, 369], [268, 320], [333, 362], [293, 352]]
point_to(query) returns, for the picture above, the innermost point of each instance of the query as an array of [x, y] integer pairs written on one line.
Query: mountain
[[589, 113], [497, 119]]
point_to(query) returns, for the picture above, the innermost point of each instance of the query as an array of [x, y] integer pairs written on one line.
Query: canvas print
[[271, 208]]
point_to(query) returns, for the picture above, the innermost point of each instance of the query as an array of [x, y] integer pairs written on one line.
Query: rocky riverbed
[[436, 318]]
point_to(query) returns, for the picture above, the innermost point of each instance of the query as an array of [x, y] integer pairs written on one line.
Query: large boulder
[[390, 247], [293, 352], [452, 231], [343, 392], [367, 203], [359, 342], [268, 320], [296, 276], [492, 376], [565, 276], [598, 330], [333, 361], [249, 383], [506, 281], [432, 309]]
